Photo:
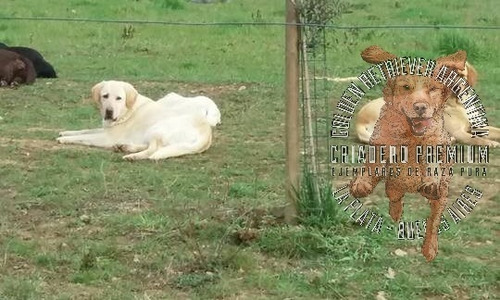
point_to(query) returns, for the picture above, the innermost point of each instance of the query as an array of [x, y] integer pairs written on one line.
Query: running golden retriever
[[412, 116]]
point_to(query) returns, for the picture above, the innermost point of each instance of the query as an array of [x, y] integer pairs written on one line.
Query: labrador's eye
[[406, 87], [105, 96], [118, 98]]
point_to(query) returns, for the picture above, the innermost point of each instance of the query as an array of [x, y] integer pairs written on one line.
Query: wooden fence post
[[292, 135]]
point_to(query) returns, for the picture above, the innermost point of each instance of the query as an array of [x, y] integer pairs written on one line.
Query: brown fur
[[374, 55], [408, 100], [15, 69]]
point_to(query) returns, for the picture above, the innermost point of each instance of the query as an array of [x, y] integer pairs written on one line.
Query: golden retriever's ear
[[131, 93], [471, 74], [374, 55], [96, 92], [455, 61]]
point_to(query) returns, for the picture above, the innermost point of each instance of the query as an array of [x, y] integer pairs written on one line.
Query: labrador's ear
[[96, 93], [471, 74], [374, 55], [131, 93]]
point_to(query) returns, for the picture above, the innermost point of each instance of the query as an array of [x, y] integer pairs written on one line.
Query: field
[[80, 223]]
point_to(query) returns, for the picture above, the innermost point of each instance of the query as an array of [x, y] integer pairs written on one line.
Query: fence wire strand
[[174, 23]]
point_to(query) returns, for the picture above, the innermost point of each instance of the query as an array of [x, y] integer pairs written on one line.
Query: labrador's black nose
[[108, 114]]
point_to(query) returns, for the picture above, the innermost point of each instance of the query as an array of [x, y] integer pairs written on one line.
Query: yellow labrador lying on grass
[[147, 129], [455, 118]]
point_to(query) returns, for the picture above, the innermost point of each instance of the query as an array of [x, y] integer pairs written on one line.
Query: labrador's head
[[114, 99]]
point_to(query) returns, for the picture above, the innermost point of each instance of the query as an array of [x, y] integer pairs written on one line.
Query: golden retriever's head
[[114, 99], [420, 99]]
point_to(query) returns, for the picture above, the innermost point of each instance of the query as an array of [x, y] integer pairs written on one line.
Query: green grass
[[79, 223]]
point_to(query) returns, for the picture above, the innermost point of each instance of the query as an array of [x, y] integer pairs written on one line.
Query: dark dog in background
[[43, 68], [15, 69]]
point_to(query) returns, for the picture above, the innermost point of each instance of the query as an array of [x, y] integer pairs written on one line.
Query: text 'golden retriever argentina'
[[457, 118], [146, 129]]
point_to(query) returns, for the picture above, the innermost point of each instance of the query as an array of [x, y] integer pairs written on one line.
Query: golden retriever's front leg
[[429, 189], [363, 184], [430, 246], [395, 194]]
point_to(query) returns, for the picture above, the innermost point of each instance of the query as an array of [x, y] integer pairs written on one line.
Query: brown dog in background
[[455, 117], [413, 115], [15, 69]]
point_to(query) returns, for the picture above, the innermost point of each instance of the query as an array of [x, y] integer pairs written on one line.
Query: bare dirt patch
[[34, 144], [8, 162], [43, 129]]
